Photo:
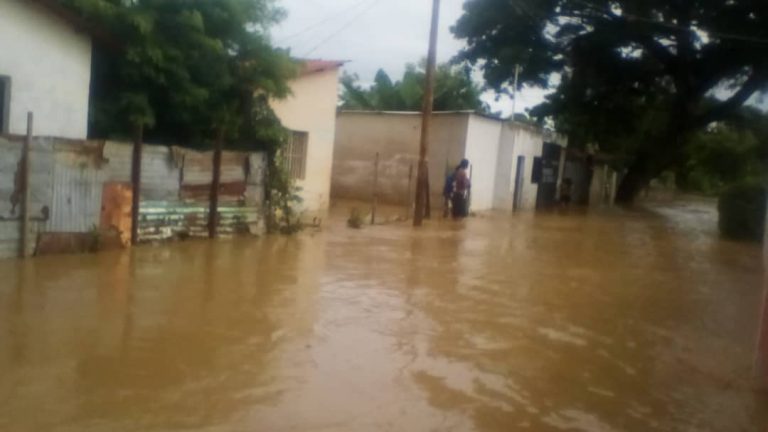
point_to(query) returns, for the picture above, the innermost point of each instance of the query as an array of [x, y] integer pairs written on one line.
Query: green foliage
[[282, 199], [190, 71], [636, 77], [454, 91], [742, 211], [718, 157], [187, 70]]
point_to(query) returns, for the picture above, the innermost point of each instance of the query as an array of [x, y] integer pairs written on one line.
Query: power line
[[323, 21], [343, 28]]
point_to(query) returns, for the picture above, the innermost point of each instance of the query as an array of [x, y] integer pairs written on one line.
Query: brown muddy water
[[613, 321]]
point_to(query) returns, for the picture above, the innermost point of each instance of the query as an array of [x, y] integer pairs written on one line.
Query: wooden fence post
[[427, 198], [213, 211], [24, 168], [409, 192], [761, 361], [375, 196], [138, 144]]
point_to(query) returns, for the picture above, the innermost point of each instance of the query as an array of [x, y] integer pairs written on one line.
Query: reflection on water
[[560, 322]]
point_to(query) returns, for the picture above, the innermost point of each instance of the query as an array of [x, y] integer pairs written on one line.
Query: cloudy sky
[[373, 34]]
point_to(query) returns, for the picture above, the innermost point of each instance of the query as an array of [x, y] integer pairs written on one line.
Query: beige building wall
[[49, 66], [492, 146], [395, 136], [312, 109]]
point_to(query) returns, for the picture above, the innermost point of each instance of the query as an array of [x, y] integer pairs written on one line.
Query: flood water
[[608, 321]]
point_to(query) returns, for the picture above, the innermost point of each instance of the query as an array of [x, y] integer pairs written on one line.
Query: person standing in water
[[461, 188]]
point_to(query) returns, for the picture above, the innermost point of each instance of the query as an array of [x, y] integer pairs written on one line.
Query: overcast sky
[[373, 34]]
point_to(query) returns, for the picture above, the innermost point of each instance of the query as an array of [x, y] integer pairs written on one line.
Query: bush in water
[[742, 211]]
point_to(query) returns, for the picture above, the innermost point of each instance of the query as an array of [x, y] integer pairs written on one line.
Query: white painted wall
[[49, 64], [483, 137], [312, 109], [517, 140], [502, 194]]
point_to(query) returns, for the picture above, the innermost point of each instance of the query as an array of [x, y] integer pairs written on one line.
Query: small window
[[5, 99], [296, 155]]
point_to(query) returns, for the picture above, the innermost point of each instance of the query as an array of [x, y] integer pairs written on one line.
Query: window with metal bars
[[296, 154]]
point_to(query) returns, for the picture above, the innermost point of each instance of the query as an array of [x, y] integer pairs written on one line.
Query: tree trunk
[[637, 178], [663, 153]]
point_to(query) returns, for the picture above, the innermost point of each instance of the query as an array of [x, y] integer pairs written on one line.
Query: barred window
[[296, 155]]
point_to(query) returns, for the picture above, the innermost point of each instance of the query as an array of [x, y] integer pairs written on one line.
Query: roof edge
[[415, 113], [77, 22], [313, 66]]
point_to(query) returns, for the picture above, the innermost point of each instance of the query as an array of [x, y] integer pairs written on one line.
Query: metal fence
[[72, 188]]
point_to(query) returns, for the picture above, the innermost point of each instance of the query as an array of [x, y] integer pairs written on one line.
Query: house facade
[[504, 157], [310, 116], [45, 68]]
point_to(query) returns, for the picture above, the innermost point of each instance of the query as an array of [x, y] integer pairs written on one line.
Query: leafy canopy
[[454, 91], [636, 76], [727, 153], [187, 71]]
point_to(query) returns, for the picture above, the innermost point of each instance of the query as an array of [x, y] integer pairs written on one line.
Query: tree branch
[[658, 51], [755, 82]]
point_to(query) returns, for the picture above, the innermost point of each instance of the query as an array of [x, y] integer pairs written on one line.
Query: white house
[[45, 68], [508, 163], [310, 114]]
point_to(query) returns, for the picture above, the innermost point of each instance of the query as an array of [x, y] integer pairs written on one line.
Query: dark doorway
[[517, 200], [5, 99], [548, 177]]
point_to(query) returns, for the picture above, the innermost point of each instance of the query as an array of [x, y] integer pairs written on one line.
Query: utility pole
[[422, 177], [138, 144], [514, 91], [513, 181], [375, 195]]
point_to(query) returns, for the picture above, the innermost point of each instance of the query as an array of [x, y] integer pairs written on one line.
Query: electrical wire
[[343, 28], [323, 21]]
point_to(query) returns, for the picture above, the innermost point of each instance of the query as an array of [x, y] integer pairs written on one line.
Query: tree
[[189, 71], [454, 91], [719, 157], [637, 75]]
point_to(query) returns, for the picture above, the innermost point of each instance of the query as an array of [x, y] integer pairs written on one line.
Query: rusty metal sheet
[[198, 167], [40, 180], [202, 193]]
